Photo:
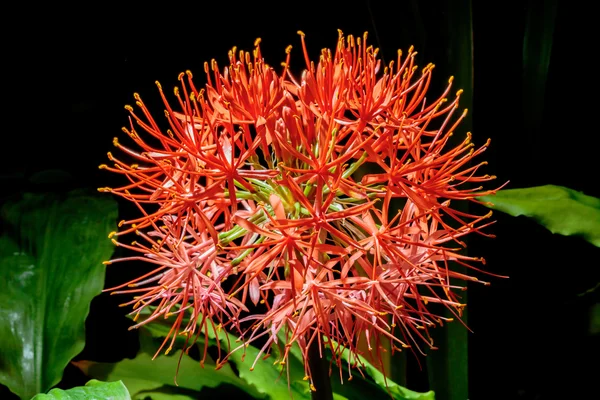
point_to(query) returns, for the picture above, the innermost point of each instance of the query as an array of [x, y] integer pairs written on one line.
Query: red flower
[[255, 192]]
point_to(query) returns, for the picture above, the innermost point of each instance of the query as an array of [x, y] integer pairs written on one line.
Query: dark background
[[530, 335]]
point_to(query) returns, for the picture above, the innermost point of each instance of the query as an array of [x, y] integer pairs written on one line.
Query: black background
[[530, 337]]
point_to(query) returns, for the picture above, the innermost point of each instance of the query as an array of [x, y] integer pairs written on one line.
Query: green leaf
[[93, 390], [562, 210], [352, 390], [268, 378], [378, 386], [156, 378], [50, 269]]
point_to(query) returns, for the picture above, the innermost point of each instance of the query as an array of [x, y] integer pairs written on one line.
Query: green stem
[[319, 370]]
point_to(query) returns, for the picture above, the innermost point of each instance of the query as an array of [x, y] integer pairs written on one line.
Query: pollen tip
[[301, 33], [102, 166], [128, 108], [110, 235]]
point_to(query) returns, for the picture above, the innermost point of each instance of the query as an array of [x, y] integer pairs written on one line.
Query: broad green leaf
[[562, 210], [373, 386], [50, 269], [268, 378], [361, 391], [93, 390], [157, 378]]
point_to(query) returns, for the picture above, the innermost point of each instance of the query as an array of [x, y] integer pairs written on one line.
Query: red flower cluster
[[325, 197]]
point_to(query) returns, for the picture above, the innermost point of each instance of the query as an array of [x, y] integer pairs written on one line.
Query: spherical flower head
[[315, 208]]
